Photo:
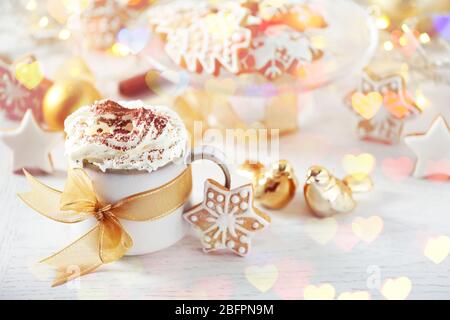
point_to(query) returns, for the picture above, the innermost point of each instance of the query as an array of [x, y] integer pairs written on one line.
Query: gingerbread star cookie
[[227, 218], [432, 149], [211, 42], [31, 145]]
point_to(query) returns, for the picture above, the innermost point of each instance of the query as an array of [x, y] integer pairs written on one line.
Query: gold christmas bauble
[[64, 97]]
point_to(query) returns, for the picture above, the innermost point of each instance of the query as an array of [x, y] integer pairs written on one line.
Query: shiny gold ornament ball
[[276, 186], [65, 97]]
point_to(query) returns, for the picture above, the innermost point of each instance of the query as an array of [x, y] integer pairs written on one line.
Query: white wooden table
[[297, 251]]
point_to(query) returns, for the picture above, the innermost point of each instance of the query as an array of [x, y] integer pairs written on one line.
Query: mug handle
[[214, 155]]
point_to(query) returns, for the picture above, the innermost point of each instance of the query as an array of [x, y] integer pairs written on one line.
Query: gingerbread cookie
[[181, 14], [280, 49], [227, 218]]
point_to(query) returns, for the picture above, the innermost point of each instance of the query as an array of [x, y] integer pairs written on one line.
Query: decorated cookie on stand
[[100, 23], [238, 37], [22, 88], [275, 186], [432, 149], [278, 50], [383, 104]]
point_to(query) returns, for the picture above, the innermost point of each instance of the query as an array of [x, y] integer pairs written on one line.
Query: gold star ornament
[[227, 219]]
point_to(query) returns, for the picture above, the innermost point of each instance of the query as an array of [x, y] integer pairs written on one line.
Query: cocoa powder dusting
[[128, 126]]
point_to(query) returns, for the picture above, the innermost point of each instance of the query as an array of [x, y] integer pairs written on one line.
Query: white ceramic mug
[[153, 235]]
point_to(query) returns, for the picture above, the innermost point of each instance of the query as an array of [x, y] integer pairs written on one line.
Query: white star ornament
[[31, 145]]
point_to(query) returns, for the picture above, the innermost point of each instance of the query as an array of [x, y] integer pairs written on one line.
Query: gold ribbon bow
[[108, 241]]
